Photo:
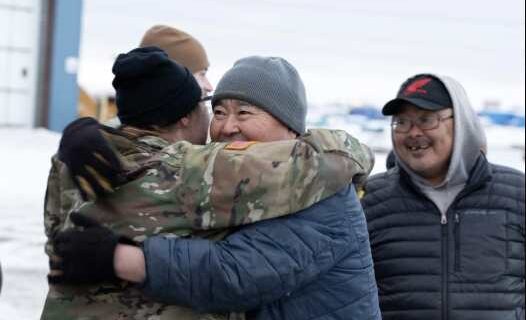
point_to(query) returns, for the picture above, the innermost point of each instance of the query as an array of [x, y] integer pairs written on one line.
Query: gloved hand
[[93, 164], [84, 256]]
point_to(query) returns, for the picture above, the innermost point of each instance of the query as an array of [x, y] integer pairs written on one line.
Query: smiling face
[[236, 120], [426, 152]]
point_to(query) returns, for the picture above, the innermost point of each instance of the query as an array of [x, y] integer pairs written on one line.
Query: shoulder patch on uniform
[[239, 145]]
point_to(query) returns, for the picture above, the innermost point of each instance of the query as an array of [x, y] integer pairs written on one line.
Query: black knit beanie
[[152, 89]]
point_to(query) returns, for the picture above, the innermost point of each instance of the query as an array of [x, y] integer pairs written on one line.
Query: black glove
[[93, 164], [86, 256]]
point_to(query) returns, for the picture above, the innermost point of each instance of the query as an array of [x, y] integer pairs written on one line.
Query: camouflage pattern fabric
[[195, 191]]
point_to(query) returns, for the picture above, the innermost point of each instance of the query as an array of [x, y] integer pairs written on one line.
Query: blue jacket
[[315, 264]]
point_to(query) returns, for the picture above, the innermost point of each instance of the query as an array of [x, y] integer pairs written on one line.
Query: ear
[[184, 122]]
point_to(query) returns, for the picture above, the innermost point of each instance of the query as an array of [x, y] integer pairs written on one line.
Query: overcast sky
[[345, 50]]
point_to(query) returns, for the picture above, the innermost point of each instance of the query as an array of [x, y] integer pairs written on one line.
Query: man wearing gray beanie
[[314, 264]]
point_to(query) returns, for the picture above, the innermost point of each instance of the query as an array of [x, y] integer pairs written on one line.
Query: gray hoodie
[[469, 140]]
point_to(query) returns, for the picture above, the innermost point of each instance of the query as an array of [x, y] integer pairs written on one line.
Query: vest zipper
[[444, 269], [470, 187], [457, 242], [443, 218]]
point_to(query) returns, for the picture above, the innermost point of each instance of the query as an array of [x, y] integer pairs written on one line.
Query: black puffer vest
[[470, 268]]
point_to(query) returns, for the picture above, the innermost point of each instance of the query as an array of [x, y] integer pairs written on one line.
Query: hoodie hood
[[469, 137]]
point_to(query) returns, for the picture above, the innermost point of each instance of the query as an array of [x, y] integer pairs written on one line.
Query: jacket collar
[[480, 174]]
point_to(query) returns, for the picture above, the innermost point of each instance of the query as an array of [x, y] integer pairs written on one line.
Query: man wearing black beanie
[[158, 103]]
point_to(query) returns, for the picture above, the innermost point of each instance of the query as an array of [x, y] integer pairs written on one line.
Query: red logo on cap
[[416, 87]]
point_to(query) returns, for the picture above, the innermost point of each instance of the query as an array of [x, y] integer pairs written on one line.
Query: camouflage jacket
[[195, 191]]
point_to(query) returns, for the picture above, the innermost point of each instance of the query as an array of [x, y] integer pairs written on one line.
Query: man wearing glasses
[[446, 226]]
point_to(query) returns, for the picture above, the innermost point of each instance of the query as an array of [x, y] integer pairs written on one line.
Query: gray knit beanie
[[269, 83]]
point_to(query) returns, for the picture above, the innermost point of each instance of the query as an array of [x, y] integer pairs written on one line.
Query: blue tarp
[[369, 112], [503, 118]]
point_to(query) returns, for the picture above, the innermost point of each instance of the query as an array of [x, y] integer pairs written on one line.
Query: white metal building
[[39, 43], [19, 52]]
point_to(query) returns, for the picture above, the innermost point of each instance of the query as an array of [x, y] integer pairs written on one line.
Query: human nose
[[415, 130], [207, 86], [230, 125]]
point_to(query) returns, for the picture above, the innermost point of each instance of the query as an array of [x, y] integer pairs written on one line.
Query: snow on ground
[[24, 166]]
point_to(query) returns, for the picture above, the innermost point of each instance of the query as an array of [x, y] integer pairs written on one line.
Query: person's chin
[[419, 165]]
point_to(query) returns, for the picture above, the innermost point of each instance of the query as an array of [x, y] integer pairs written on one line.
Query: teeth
[[418, 148]]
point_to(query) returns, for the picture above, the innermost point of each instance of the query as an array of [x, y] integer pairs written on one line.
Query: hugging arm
[[252, 267]]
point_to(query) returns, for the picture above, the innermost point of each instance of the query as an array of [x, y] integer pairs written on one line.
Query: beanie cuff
[[224, 95], [166, 113]]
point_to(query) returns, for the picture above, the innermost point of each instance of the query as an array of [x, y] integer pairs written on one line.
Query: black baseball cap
[[424, 91]]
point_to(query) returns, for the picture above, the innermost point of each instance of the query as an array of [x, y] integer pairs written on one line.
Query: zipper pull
[[443, 219], [457, 218]]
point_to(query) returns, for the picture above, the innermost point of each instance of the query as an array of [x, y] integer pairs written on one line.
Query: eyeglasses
[[429, 122]]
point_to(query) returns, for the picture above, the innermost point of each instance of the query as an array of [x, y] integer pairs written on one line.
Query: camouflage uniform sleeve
[[61, 197], [98, 301], [186, 187], [338, 141]]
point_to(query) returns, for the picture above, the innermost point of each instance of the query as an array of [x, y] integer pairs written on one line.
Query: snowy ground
[[24, 166]]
